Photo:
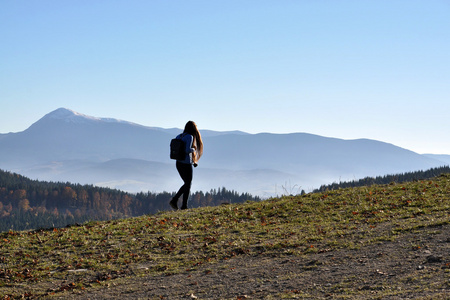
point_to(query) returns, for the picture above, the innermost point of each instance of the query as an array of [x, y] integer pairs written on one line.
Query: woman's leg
[[186, 173]]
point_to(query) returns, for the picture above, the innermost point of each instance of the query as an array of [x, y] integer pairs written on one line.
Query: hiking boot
[[184, 204], [174, 203]]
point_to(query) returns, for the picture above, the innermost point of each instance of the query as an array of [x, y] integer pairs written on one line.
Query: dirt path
[[416, 265]]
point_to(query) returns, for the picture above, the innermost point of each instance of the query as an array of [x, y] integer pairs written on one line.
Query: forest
[[31, 204]]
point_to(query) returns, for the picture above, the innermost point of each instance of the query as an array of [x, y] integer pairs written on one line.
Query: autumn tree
[[24, 205], [69, 196]]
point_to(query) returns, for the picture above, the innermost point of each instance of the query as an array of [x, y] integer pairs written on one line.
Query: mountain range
[[65, 145]]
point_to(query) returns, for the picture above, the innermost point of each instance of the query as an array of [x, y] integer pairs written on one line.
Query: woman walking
[[194, 150]]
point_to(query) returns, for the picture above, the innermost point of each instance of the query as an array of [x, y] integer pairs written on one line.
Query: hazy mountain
[[441, 157], [68, 146]]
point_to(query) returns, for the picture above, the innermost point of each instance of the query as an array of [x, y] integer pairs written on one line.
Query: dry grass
[[52, 262]]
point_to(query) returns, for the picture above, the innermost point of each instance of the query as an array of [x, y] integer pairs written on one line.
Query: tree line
[[32, 204], [387, 179]]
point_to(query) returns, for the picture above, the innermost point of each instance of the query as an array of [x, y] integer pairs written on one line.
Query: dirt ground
[[414, 266]]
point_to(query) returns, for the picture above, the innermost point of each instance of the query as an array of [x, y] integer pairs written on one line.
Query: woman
[[194, 150]]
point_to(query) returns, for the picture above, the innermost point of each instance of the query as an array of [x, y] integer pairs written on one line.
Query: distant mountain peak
[[67, 115], [71, 116], [62, 113]]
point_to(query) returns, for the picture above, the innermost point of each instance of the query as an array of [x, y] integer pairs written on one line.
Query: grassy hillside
[[318, 231]]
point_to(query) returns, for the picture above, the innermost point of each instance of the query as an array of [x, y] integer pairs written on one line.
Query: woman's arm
[[188, 139]]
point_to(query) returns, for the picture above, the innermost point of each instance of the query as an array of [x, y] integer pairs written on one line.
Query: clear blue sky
[[347, 69]]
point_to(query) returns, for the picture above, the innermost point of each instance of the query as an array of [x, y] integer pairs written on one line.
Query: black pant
[[186, 173]]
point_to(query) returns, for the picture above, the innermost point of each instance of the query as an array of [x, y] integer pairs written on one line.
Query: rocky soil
[[414, 266]]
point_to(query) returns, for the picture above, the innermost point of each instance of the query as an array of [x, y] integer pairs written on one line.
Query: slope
[[381, 241]]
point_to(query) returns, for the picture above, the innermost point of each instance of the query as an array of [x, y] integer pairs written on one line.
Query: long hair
[[191, 128]]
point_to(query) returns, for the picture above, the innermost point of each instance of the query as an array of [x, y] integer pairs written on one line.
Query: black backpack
[[177, 149]]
